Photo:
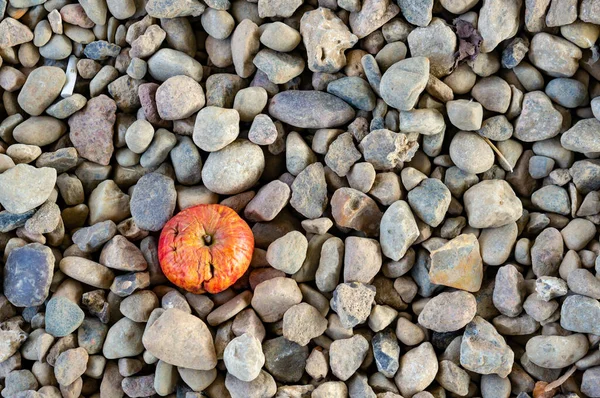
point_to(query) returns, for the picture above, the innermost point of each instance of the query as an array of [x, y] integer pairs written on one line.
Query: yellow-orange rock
[[458, 264]]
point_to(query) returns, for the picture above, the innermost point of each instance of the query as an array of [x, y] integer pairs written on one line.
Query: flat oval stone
[[556, 352], [27, 275], [42, 87], [310, 109], [39, 130]]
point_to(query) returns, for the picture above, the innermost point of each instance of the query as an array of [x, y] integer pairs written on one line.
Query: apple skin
[[205, 248]]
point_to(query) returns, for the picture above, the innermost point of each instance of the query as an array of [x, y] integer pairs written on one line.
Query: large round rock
[[233, 169], [153, 201], [28, 274]]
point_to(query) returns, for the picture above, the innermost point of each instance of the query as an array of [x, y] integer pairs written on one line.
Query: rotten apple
[[205, 248]]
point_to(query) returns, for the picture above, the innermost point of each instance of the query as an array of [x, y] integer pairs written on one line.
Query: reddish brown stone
[[92, 130], [75, 15], [353, 209], [147, 94]]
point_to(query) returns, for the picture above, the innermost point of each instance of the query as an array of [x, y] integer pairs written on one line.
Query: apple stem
[[207, 239]]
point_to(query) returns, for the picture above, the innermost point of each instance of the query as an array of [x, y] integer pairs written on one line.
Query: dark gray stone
[[355, 91], [386, 351], [284, 359], [100, 50], [153, 201], [27, 275], [92, 238], [10, 221]]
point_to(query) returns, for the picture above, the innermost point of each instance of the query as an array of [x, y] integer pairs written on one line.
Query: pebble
[[355, 91], [310, 109], [497, 22], [556, 352], [243, 357], [284, 359], [321, 29], [273, 297], [309, 191], [63, 317], [263, 385], [236, 177], [547, 252], [404, 81], [491, 204], [92, 129], [464, 114], [384, 149], [464, 143], [181, 329], [179, 97], [28, 273], [42, 87], [166, 63], [303, 322], [28, 132], [458, 264], [418, 368], [430, 201], [398, 230], [352, 302], [26, 187], [448, 312], [483, 350], [353, 209], [546, 49], [153, 201], [87, 271], [580, 314], [70, 365], [287, 253], [346, 356], [526, 128], [582, 136], [437, 42], [216, 128]]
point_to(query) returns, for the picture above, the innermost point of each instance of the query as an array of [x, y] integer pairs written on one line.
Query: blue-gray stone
[[430, 201], [11, 221], [569, 93], [586, 175], [91, 335], [27, 275], [310, 109], [284, 359], [63, 316], [514, 53], [153, 201], [420, 274], [355, 91], [377, 123], [386, 351], [100, 50], [372, 71]]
